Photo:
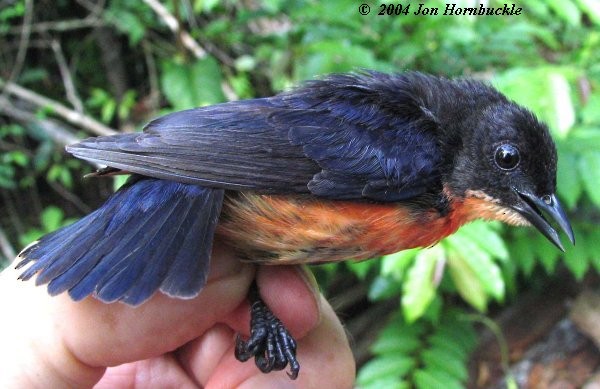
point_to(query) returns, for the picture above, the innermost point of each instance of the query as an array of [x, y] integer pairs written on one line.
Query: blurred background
[[492, 306]]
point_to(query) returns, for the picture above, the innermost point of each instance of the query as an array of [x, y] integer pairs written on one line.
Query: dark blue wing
[[150, 235], [345, 137], [373, 135], [229, 146]]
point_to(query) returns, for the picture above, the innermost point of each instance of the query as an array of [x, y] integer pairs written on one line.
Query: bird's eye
[[507, 157]]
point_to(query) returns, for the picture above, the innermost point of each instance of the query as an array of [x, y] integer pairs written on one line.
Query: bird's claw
[[270, 343]]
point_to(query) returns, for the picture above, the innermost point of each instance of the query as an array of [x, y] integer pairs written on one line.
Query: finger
[[200, 357], [159, 372], [324, 354], [76, 337], [162, 324], [290, 292]]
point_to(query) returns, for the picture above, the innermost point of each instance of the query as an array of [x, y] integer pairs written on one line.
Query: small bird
[[353, 165]]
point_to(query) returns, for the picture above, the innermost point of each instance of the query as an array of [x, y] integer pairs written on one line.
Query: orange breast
[[279, 229]]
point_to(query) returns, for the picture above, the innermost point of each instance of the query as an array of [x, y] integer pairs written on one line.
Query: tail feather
[[147, 276], [150, 235], [55, 244], [96, 248], [136, 238], [186, 275]]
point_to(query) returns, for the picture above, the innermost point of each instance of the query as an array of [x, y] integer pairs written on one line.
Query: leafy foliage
[[193, 85], [51, 219], [431, 354], [473, 257]]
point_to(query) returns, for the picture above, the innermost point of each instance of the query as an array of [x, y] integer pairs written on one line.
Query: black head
[[507, 157]]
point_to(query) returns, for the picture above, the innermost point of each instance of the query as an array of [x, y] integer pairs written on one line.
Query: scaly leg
[[270, 343]]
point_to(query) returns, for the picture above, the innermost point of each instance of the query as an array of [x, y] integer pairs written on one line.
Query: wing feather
[[345, 137]]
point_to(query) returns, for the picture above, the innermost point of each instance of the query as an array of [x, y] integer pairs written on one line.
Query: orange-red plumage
[[280, 229]]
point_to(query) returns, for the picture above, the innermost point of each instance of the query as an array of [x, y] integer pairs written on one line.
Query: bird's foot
[[270, 343]]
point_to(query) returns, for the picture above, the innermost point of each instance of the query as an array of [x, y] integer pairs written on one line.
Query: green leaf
[[11, 129], [583, 140], [398, 339], [589, 113], [66, 178], [7, 177], [576, 260], [331, 56], [360, 268], [569, 185], [386, 382], [52, 218], [467, 283], [546, 253], [563, 106], [54, 172], [432, 379], [509, 274], [589, 169], [245, 63], [458, 330], [389, 345], [16, 157], [523, 253], [593, 246], [450, 346], [128, 23], [126, 104], [192, 85], [480, 261], [177, 85], [384, 287], [398, 263], [15, 10], [434, 310], [437, 359], [538, 8], [485, 235], [272, 5], [30, 236], [108, 110], [547, 94], [386, 366], [241, 86], [419, 288], [592, 8], [566, 10], [205, 5], [118, 181]]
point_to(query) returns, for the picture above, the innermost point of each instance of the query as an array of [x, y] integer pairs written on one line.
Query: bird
[[347, 166]]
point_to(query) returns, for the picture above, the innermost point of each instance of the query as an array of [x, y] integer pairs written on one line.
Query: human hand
[[55, 342]]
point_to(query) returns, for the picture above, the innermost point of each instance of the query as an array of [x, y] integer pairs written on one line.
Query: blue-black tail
[[151, 234]]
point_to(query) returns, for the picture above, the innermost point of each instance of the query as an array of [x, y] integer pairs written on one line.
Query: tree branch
[[78, 119], [23, 42], [186, 39], [152, 76], [174, 26], [61, 25], [54, 130], [70, 90]]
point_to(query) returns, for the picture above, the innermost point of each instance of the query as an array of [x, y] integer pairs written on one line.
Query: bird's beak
[[531, 208]]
